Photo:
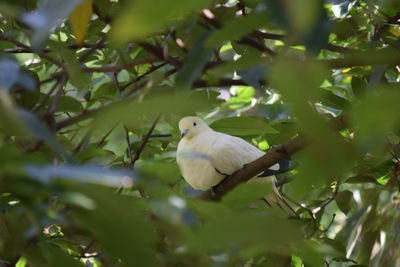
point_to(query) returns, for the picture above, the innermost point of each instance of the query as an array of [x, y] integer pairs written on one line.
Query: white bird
[[205, 157]]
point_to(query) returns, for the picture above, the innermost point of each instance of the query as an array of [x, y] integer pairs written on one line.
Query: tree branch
[[222, 82], [259, 165], [257, 45], [118, 67], [40, 53], [159, 53], [138, 78], [387, 56], [331, 47], [383, 28]]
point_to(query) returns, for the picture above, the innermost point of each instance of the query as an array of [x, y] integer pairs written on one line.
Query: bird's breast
[[196, 166]]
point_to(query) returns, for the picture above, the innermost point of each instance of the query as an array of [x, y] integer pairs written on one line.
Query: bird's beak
[[184, 132]]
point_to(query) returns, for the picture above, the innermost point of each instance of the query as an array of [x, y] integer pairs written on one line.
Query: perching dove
[[205, 157]]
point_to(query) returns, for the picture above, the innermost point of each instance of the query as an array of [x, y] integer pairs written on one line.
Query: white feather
[[206, 157]]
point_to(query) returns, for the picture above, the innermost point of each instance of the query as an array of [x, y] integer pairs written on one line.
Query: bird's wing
[[278, 168], [231, 153]]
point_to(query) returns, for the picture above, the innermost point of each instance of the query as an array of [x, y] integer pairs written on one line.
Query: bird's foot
[[213, 190]]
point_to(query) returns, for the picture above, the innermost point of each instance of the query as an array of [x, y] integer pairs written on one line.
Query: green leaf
[[56, 257], [375, 116], [41, 132], [106, 91], [193, 65], [161, 102], [245, 194], [120, 226], [242, 229], [343, 200], [362, 179], [141, 17], [236, 28], [328, 98], [77, 77], [167, 171], [244, 95], [79, 19], [103, 7], [246, 61], [69, 104], [243, 126], [358, 85], [328, 155]]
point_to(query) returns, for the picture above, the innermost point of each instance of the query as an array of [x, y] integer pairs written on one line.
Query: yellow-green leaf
[[80, 18]]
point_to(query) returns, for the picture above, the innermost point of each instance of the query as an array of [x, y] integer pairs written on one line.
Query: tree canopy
[[91, 93]]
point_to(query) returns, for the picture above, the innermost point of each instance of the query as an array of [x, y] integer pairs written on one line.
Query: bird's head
[[191, 126]]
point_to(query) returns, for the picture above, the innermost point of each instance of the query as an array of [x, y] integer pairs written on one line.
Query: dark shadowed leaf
[[331, 99], [344, 200], [358, 85], [69, 104], [40, 131], [361, 179], [193, 64], [120, 226], [236, 28]]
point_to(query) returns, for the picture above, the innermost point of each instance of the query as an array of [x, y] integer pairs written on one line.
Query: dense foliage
[[91, 92]]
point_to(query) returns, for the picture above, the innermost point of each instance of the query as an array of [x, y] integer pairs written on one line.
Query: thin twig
[[40, 53], [280, 37], [93, 49], [257, 45], [53, 106], [159, 53], [103, 139], [330, 223], [128, 141], [47, 96], [118, 67], [86, 249], [138, 78], [142, 145]]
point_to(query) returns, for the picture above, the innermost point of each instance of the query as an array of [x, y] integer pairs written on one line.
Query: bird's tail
[[275, 200]]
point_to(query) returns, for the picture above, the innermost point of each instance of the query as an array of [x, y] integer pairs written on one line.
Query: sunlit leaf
[[79, 18]]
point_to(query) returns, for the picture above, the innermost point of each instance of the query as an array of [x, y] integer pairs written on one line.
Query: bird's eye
[[194, 124]]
